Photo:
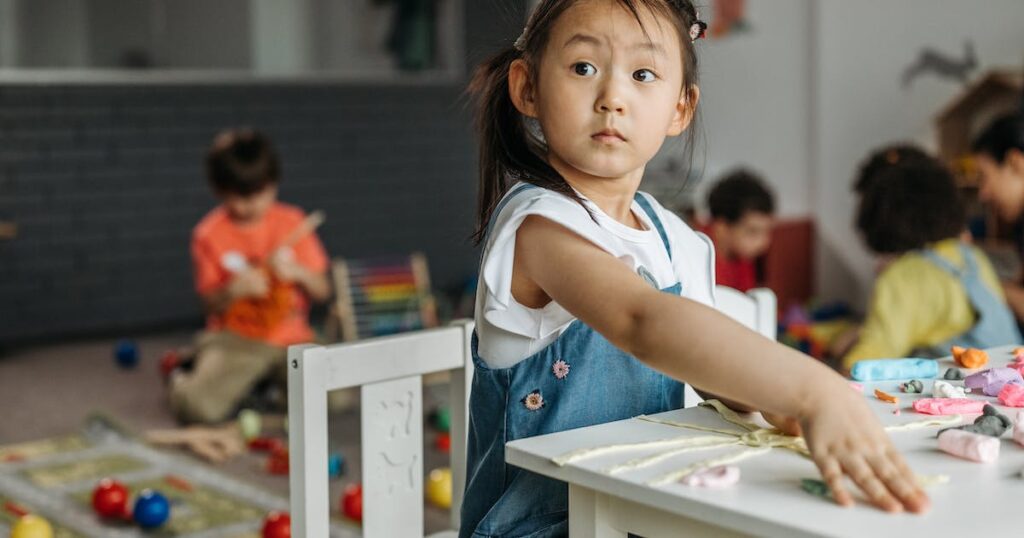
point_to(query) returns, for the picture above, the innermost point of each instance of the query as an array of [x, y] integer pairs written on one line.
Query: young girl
[[593, 300], [935, 291]]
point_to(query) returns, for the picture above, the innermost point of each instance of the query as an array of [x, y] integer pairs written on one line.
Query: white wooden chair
[[755, 309], [389, 371]]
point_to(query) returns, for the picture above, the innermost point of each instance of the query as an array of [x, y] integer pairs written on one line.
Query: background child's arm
[[694, 342]]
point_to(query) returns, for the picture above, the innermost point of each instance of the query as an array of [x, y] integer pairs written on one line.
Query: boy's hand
[[249, 283], [283, 264]]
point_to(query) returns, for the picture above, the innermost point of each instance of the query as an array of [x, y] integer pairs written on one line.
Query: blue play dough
[[151, 509], [891, 369]]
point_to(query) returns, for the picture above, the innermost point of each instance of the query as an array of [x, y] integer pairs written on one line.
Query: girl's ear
[[685, 109], [520, 88]]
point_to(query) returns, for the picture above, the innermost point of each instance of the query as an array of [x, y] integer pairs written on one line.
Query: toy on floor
[[250, 424], [443, 442], [813, 330], [277, 525], [126, 353], [439, 488], [151, 509], [110, 499], [277, 463], [442, 419], [32, 526], [336, 465], [352, 502]]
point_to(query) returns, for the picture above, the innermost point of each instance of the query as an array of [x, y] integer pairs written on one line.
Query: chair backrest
[[755, 309], [389, 372]]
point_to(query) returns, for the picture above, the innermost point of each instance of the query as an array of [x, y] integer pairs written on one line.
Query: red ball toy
[[352, 502], [110, 499], [443, 442], [277, 525], [277, 463]]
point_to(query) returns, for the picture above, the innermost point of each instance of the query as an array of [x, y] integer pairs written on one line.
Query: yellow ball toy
[[31, 526], [439, 487]]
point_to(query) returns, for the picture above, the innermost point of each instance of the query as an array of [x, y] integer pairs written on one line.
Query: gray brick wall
[[105, 183]]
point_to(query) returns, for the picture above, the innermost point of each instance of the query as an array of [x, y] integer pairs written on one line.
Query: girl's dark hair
[[883, 159], [242, 161], [1002, 135], [509, 152], [738, 193], [907, 204]]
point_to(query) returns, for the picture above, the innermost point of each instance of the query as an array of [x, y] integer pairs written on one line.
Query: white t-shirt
[[509, 332]]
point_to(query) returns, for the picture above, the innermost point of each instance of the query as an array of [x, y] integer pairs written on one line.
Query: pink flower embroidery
[[560, 369], [533, 401]]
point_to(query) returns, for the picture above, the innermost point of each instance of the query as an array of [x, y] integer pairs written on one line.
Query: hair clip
[[520, 43], [698, 29]]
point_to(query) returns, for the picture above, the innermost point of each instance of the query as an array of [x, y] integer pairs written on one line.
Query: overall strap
[[653, 215]]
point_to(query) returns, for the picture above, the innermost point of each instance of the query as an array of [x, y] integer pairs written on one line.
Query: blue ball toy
[[336, 465], [127, 354], [151, 509]]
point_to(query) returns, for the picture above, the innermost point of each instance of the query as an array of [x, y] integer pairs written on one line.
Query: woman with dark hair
[[999, 153]]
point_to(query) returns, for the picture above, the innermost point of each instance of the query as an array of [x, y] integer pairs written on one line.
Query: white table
[[980, 499]]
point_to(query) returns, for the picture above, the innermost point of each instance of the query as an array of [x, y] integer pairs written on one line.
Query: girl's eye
[[584, 69], [644, 75]]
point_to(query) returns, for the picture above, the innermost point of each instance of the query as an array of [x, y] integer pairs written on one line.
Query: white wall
[[755, 91], [862, 48]]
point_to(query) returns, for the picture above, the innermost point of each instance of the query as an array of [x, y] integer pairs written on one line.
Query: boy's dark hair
[[738, 193], [1002, 135], [883, 159], [908, 204], [242, 162], [509, 152]]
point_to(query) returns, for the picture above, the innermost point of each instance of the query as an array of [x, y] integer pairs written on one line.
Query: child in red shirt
[[257, 266], [742, 210]]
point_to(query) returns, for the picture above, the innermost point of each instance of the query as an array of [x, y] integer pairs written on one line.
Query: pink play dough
[[949, 406], [1018, 428], [1012, 395], [722, 476], [969, 446]]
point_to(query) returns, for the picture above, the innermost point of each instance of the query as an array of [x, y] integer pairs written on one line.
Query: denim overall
[[578, 380], [996, 325]]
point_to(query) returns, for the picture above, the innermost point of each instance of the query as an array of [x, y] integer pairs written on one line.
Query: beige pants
[[227, 369]]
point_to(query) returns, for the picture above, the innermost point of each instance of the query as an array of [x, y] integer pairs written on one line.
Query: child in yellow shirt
[[936, 290]]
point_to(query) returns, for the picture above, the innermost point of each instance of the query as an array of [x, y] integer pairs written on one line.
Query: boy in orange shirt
[[257, 266]]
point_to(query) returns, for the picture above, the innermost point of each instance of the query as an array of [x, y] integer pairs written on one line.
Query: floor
[[47, 391]]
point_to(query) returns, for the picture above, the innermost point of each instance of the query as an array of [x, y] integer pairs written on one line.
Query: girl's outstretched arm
[[690, 341]]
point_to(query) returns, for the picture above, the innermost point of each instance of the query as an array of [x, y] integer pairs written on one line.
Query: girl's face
[[607, 95], [1002, 185]]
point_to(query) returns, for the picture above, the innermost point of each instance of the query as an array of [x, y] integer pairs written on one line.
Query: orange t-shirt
[[221, 248]]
